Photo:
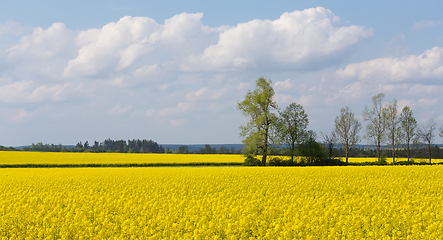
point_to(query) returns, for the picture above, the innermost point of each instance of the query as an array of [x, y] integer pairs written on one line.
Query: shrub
[[252, 161]]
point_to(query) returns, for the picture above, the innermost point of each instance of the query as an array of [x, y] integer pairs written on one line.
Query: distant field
[[15, 158], [50, 158], [389, 160]]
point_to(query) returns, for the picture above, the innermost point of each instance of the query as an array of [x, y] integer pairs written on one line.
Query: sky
[[174, 71]]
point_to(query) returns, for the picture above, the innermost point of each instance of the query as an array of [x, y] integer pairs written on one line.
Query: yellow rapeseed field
[[42, 158], [389, 160], [374, 202]]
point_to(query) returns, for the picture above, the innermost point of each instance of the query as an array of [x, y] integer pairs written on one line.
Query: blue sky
[[173, 71]]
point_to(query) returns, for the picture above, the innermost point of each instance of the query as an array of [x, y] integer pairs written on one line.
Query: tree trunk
[[347, 153], [409, 153], [378, 153], [430, 157], [265, 147], [393, 153], [292, 152], [393, 157]]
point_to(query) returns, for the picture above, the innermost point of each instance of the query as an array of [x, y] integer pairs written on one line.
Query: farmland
[[53, 159], [42, 159], [374, 202]]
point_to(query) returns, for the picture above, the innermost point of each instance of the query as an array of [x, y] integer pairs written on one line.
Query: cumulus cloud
[[10, 27], [181, 108], [44, 44], [122, 44], [309, 39], [428, 65], [300, 40], [283, 85], [425, 24], [28, 91], [207, 93], [119, 109], [22, 115]]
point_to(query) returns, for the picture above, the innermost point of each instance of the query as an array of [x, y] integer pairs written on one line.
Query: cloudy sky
[[174, 71]]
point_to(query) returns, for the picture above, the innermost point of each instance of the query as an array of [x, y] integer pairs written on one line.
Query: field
[[365, 202], [389, 160], [17, 159], [50, 158]]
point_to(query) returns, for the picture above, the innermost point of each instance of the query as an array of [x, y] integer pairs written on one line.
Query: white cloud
[[405, 102], [309, 39], [113, 47], [283, 85], [10, 27], [425, 24], [195, 95], [177, 122], [120, 45], [309, 100], [22, 115], [181, 108], [428, 65], [147, 70], [283, 99], [27, 91], [427, 102], [206, 94], [44, 44], [119, 109]]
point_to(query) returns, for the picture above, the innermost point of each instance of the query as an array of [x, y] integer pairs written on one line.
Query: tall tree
[[347, 127], [258, 106], [376, 115], [408, 129], [426, 134], [392, 127], [292, 125], [329, 140]]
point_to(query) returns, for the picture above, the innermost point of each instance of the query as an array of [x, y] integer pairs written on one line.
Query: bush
[[383, 160], [275, 161], [252, 161]]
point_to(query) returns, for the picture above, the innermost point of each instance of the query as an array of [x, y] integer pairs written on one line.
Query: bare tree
[[376, 115], [441, 131], [329, 140], [408, 129], [392, 127], [347, 127], [426, 134]]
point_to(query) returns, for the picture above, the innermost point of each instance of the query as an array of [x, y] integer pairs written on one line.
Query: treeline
[[418, 151], [183, 149], [122, 146], [271, 132], [108, 145]]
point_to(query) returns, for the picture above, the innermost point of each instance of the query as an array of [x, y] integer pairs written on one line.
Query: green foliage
[[383, 160], [207, 150], [183, 149], [258, 107], [314, 153], [3, 148], [291, 127], [252, 161]]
